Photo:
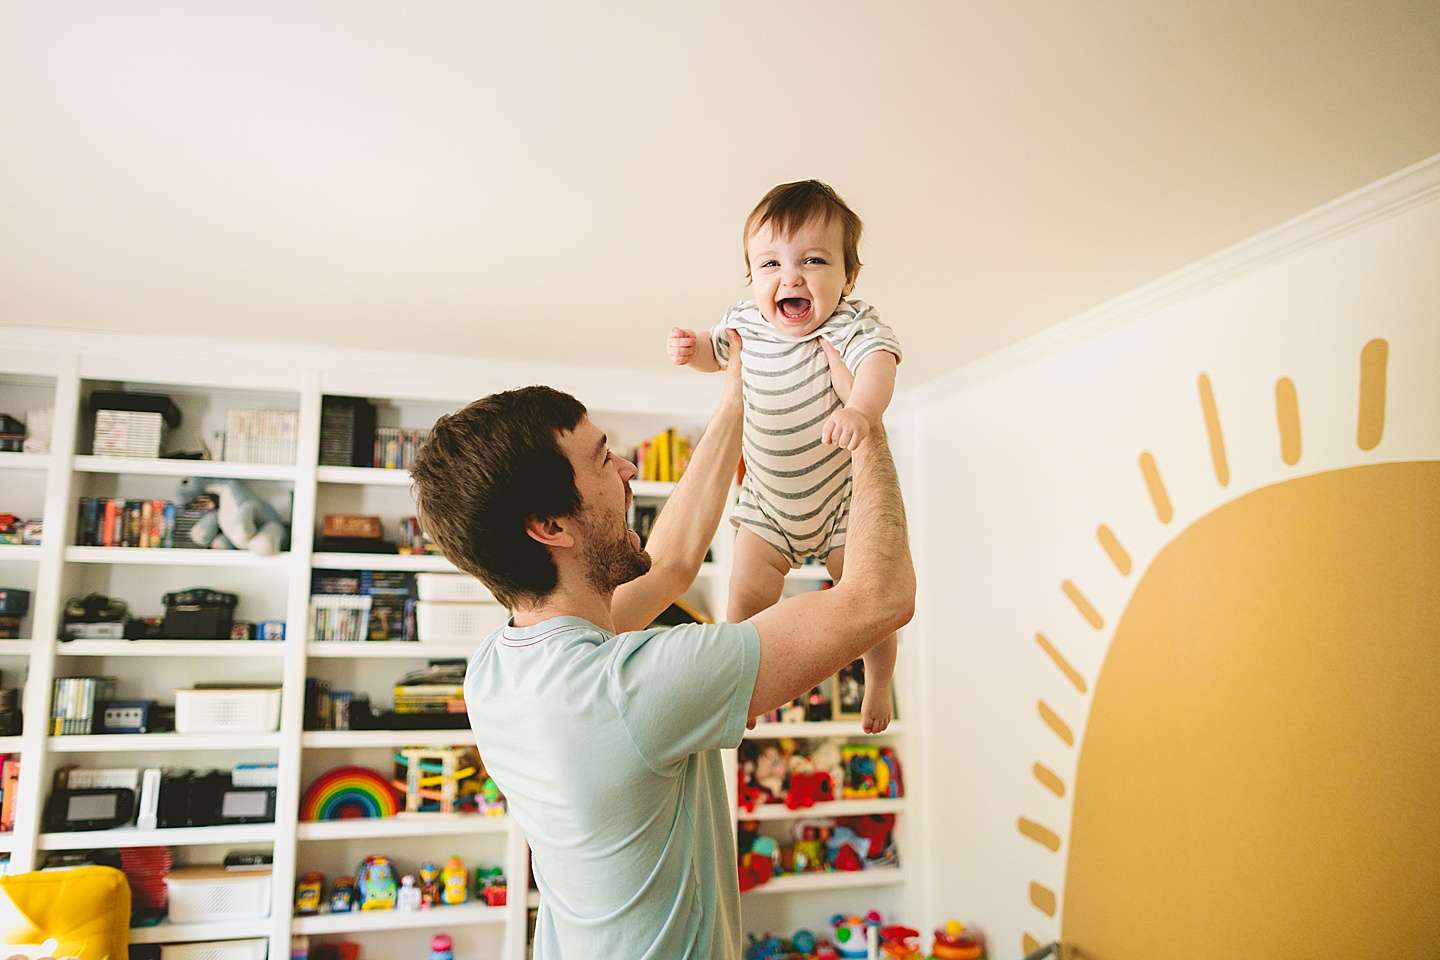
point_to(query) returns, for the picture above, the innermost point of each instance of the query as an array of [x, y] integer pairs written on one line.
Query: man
[[604, 735]]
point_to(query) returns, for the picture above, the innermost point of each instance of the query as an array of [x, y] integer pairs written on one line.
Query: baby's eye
[[770, 263], [815, 260]]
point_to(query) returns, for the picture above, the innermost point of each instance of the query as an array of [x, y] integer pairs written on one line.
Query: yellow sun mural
[[1256, 775]]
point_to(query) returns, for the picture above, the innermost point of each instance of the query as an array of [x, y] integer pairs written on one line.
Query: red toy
[[899, 941], [955, 942], [808, 789]]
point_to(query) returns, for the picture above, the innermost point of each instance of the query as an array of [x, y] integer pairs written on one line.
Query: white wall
[[1027, 454]]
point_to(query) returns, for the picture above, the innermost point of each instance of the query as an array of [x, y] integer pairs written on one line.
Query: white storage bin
[[203, 893], [452, 588], [459, 621], [228, 710], [216, 950]]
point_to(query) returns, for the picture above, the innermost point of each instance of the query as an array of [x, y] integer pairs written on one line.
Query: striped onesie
[[796, 489]]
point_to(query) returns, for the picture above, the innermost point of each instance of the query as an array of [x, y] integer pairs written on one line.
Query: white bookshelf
[[434, 918]]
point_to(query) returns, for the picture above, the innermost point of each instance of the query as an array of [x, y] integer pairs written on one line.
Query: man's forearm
[[877, 547]]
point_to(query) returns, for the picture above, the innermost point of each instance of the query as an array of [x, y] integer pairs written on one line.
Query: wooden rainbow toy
[[347, 793]]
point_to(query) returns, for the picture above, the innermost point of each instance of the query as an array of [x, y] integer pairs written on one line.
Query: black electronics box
[[347, 432], [138, 402], [14, 602], [198, 614]]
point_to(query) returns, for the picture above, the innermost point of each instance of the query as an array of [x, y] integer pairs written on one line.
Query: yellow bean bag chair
[[82, 913]]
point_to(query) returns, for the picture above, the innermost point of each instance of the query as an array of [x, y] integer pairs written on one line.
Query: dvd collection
[[395, 449], [362, 605], [258, 436], [121, 522]]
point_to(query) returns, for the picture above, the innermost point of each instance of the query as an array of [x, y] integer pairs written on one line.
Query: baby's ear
[[850, 283]]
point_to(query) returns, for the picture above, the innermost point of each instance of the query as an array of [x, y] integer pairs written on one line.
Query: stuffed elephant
[[243, 521]]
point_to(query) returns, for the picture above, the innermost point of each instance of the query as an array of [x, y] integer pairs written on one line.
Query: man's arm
[[807, 638], [686, 526]]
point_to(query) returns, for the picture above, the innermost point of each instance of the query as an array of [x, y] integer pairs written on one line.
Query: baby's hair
[[791, 206]]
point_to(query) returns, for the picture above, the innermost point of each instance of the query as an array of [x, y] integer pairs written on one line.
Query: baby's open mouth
[[794, 308]]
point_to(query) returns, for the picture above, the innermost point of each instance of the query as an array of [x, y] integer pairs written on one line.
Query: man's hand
[[734, 383], [681, 346], [845, 428]]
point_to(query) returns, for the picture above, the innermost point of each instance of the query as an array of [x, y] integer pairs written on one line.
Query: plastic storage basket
[[203, 893], [216, 950], [458, 621], [228, 710], [452, 588]]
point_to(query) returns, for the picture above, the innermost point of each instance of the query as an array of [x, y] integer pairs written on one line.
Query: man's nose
[[628, 471]]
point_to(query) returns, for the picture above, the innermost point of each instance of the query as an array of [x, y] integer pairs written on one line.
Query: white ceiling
[[567, 180]]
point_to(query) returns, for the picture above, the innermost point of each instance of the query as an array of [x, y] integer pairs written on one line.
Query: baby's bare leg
[[878, 707], [757, 577]]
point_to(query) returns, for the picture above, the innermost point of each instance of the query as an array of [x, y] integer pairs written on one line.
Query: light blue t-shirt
[[607, 749]]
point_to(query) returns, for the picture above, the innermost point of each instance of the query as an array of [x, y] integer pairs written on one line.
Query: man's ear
[[550, 533]]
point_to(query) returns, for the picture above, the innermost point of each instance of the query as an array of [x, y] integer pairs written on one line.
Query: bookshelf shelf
[[24, 461], [438, 918], [224, 469], [169, 742], [356, 739], [194, 932], [10, 744], [835, 808], [651, 488], [795, 883], [163, 557], [811, 571], [176, 837], [416, 562], [826, 728], [391, 649], [170, 648], [19, 551], [16, 648], [405, 825], [372, 476]]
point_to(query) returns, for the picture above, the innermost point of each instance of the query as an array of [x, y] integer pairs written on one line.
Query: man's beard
[[610, 558]]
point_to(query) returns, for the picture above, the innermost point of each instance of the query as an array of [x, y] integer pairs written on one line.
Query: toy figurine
[[490, 886], [855, 936], [899, 941], [429, 885], [454, 882], [408, 897], [442, 947], [491, 803], [308, 893], [342, 895], [955, 941], [375, 884]]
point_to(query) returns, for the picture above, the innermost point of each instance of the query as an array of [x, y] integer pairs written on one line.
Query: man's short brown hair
[[484, 472], [791, 206]]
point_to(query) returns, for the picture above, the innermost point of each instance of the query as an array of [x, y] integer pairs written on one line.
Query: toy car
[[342, 895], [308, 893], [376, 885]]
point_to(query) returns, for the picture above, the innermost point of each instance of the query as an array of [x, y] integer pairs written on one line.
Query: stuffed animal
[[243, 521]]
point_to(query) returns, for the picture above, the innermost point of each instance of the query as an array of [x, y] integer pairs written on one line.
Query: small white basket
[[229, 710], [203, 893], [459, 621], [216, 950], [452, 588]]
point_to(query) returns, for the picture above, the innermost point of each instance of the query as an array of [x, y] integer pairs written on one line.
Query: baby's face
[[799, 279]]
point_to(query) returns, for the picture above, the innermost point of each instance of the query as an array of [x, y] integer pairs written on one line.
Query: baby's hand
[[845, 428], [681, 346]]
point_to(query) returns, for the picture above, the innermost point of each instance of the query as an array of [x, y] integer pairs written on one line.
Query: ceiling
[[564, 181]]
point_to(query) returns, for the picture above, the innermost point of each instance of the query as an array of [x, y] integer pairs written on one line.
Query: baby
[[801, 253]]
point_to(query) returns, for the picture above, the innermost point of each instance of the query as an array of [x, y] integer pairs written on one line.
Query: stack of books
[[259, 436], [435, 689]]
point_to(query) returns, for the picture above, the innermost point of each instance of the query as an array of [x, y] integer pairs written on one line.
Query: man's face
[[610, 549]]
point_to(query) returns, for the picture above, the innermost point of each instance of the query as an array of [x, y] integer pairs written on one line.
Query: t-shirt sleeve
[[862, 336], [684, 689], [720, 338]]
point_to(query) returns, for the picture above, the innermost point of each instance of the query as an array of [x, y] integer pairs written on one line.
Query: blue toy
[[243, 521]]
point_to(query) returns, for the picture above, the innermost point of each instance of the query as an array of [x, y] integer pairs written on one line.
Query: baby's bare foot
[[877, 709]]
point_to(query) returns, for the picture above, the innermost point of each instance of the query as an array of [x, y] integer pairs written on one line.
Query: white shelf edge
[[172, 837], [404, 825], [170, 648], [417, 562], [11, 460], [17, 648], [386, 649], [222, 469], [11, 744], [172, 556], [138, 742], [195, 932], [349, 739], [19, 551], [815, 572], [835, 808], [437, 917], [651, 488], [371, 476], [837, 880], [824, 728]]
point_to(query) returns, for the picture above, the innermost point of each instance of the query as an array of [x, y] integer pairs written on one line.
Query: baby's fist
[[845, 428], [681, 346]]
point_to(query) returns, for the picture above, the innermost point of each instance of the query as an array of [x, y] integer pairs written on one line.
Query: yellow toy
[[454, 882], [435, 778], [63, 914]]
